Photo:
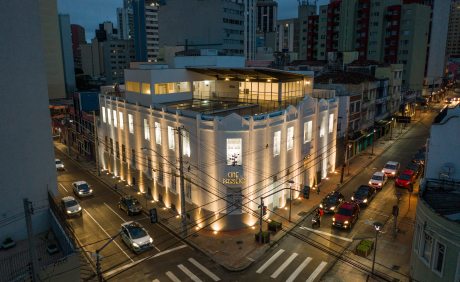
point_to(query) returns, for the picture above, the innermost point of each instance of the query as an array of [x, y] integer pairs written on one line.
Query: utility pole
[[96, 144], [346, 153], [28, 211], [261, 218], [182, 186], [98, 257]]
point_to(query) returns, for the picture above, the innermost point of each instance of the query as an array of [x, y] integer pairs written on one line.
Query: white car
[[70, 206], [82, 189], [59, 164], [391, 169], [378, 180], [135, 236]]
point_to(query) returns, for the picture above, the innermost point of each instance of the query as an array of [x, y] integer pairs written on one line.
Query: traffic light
[[264, 210], [153, 215], [306, 192]]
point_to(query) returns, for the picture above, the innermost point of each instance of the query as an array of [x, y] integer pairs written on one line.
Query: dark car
[[363, 195], [419, 158], [130, 205], [331, 201], [415, 167], [346, 215]]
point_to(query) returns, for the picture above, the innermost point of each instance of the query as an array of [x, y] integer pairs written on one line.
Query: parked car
[[59, 164], [70, 206], [82, 189], [419, 158], [415, 167], [135, 237], [346, 215], [363, 195], [406, 179], [331, 201], [391, 169], [130, 205], [378, 180]]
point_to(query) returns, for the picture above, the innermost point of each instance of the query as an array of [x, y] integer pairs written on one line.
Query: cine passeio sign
[[233, 177]]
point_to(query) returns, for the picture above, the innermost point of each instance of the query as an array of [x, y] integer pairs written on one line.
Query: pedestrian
[[115, 186], [317, 190]]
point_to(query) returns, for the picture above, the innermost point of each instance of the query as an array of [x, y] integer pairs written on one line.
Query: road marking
[[317, 271], [189, 273], [155, 280], [299, 269], [108, 235], [119, 216], [172, 276], [327, 234], [126, 266], [204, 269], [283, 266], [63, 187], [269, 261]]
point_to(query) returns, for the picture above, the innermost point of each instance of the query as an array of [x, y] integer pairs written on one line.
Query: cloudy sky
[[89, 13]]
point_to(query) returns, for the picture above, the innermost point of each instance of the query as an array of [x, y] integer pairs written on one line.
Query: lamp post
[[391, 129], [378, 226], [373, 140], [348, 158], [290, 198]]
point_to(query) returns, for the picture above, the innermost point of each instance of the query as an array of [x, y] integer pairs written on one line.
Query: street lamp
[[391, 129], [290, 198], [348, 158], [373, 140], [378, 226]]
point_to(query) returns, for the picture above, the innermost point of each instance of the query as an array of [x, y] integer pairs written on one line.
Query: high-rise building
[[78, 38], [453, 37], [106, 31], [67, 55], [267, 13], [227, 26], [28, 167], [125, 20], [304, 11], [52, 48], [145, 29]]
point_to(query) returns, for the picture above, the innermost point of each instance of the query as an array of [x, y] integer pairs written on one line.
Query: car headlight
[[352, 198], [135, 245], [321, 205], [365, 201], [393, 172], [69, 211], [151, 240], [370, 182], [80, 192], [332, 208], [79, 209], [333, 219], [383, 171], [91, 190], [346, 222], [380, 184]]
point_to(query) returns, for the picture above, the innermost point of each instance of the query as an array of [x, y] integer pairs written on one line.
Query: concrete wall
[[67, 55], [27, 161]]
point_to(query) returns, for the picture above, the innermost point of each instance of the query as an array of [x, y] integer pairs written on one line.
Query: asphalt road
[[304, 255]]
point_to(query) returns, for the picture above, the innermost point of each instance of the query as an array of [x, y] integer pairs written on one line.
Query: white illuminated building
[[247, 133]]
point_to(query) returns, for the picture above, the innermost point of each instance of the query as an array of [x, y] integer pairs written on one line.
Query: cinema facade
[[246, 133]]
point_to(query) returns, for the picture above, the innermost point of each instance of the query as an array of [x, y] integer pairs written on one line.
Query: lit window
[[172, 87], [146, 130], [439, 259], [290, 138], [171, 144], [103, 115], [130, 123], [277, 143], [133, 86], [307, 131], [157, 133], [122, 126], [109, 116], [186, 143], [115, 123], [427, 245], [331, 123], [146, 88], [234, 149]]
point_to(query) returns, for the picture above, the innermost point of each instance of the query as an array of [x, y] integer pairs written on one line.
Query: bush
[[364, 248], [274, 226], [265, 237]]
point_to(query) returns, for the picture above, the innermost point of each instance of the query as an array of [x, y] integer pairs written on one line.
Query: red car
[[346, 215], [406, 179]]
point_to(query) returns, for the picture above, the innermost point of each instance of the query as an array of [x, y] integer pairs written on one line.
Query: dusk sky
[[89, 13]]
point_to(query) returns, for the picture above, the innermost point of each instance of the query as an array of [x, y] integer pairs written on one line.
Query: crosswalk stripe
[[283, 266], [172, 276], [189, 273], [316, 272], [299, 269], [155, 280], [269, 261], [204, 269]]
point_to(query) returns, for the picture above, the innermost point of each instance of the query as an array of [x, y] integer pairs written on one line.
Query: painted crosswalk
[[293, 266], [190, 270]]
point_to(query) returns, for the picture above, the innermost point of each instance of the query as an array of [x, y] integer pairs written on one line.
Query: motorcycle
[[316, 221]]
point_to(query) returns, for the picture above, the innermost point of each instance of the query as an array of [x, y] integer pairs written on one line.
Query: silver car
[[70, 206], [135, 237], [82, 189]]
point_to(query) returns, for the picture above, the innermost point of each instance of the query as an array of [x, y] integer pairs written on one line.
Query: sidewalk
[[237, 250]]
